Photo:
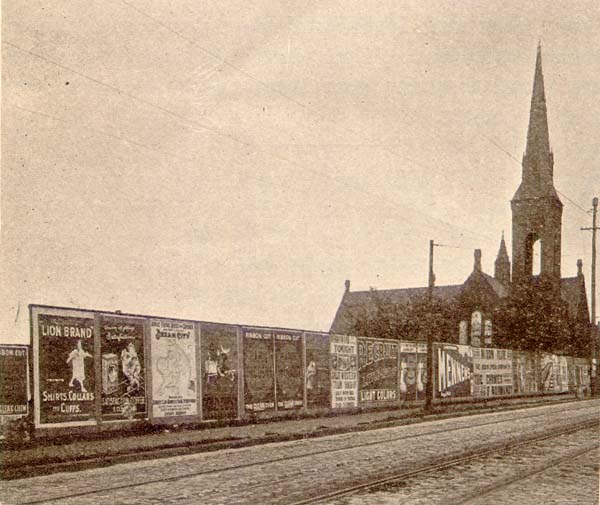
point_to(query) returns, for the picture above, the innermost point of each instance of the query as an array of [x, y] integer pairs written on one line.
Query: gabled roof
[[500, 289], [354, 301]]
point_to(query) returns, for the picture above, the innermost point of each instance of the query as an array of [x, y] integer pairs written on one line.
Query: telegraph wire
[[286, 96], [235, 139], [406, 233], [101, 132], [125, 93]]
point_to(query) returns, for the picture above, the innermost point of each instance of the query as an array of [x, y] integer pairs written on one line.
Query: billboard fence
[[92, 367]]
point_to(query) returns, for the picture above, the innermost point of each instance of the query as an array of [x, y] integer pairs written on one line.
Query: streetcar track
[[29, 470], [174, 478], [524, 476], [351, 490]]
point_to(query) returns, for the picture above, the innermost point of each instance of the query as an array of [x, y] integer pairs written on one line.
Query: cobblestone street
[[291, 471]]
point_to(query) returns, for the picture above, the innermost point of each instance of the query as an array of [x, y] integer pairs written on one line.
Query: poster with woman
[[123, 394], [413, 370], [173, 362]]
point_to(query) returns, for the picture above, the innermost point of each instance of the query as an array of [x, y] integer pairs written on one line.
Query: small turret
[[502, 264]]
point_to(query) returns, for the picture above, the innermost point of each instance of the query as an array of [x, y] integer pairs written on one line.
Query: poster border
[[35, 311], [27, 373], [190, 418]]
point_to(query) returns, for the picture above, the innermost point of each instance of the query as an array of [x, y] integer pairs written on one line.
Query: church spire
[[502, 264], [538, 160], [538, 138]]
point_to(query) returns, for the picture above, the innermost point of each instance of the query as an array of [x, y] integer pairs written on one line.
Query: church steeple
[[502, 264], [536, 207], [538, 160]]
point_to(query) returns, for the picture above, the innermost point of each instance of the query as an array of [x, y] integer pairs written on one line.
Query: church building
[[477, 304]]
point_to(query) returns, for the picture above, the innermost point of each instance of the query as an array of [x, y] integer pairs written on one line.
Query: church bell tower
[[536, 207]]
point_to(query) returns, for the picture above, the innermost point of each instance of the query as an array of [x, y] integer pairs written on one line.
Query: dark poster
[[377, 370], [13, 380], [65, 347], [318, 378], [453, 370], [259, 372], [123, 373], [413, 370], [219, 356], [288, 370]]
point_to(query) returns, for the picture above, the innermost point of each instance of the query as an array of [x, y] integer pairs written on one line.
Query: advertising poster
[[289, 378], [219, 358], [122, 363], [344, 371], [492, 372], [63, 347], [453, 365], [318, 375], [525, 372], [173, 362], [259, 370], [549, 373], [581, 373], [413, 370], [14, 373], [562, 374], [377, 370]]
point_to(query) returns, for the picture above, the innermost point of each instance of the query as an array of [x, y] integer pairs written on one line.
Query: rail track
[[589, 422], [347, 491], [26, 469], [524, 476]]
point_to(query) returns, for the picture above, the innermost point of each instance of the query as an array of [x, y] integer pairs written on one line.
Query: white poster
[[344, 371], [173, 358]]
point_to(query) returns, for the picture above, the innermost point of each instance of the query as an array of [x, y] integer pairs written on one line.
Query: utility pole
[[594, 328], [429, 383]]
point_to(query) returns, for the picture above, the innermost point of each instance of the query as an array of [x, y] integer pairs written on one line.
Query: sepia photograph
[[277, 252]]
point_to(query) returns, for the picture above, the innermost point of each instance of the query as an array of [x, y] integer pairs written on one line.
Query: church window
[[462, 333], [476, 328], [537, 257], [533, 255], [488, 328]]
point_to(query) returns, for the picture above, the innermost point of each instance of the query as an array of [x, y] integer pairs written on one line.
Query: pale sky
[[237, 161]]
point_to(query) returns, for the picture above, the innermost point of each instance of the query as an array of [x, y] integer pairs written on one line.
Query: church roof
[[359, 300], [572, 291], [499, 288]]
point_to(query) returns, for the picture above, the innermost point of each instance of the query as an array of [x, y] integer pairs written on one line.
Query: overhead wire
[[135, 143], [235, 139]]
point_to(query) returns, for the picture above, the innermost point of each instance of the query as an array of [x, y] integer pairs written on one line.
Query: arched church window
[[476, 328], [533, 255], [487, 331], [537, 258], [462, 333]]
